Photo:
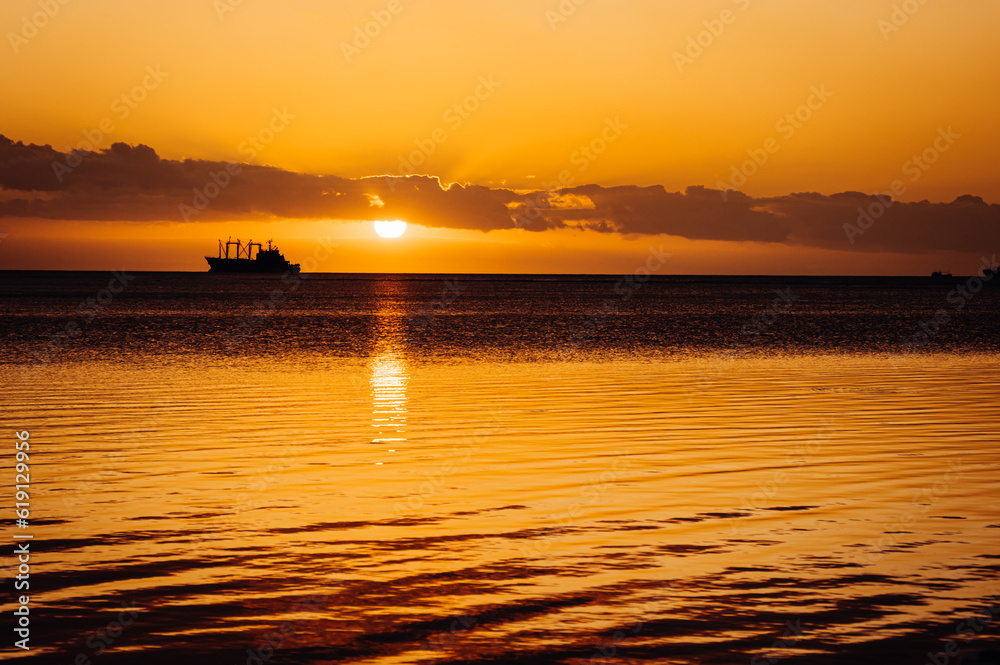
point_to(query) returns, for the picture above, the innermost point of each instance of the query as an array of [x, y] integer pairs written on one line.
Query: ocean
[[390, 469]]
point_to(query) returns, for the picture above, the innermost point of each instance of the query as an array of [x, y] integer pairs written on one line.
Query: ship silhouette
[[268, 260]]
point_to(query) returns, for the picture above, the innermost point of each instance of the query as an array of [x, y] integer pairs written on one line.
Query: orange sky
[[533, 83]]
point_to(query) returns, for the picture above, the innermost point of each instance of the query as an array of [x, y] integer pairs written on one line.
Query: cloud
[[132, 183], [698, 214]]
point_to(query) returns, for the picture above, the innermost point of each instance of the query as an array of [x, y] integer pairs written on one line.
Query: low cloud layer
[[132, 183]]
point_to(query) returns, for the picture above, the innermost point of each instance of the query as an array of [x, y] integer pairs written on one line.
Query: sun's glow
[[390, 229]]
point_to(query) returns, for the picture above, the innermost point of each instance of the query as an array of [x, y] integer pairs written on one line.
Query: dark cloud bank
[[132, 183]]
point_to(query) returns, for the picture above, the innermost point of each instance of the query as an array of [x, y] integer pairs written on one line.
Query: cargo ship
[[268, 260]]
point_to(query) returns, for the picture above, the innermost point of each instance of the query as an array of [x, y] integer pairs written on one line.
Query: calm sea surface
[[392, 469]]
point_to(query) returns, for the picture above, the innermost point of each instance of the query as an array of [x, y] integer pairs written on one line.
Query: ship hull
[[221, 265]]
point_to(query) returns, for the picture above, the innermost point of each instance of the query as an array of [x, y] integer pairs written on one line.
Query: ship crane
[[242, 251]]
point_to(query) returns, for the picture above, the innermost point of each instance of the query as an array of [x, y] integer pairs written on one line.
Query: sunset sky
[[543, 136]]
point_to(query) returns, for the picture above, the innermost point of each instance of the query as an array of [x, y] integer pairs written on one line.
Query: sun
[[390, 229]]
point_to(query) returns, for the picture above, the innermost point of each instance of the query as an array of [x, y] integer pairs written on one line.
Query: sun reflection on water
[[388, 387], [388, 376]]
